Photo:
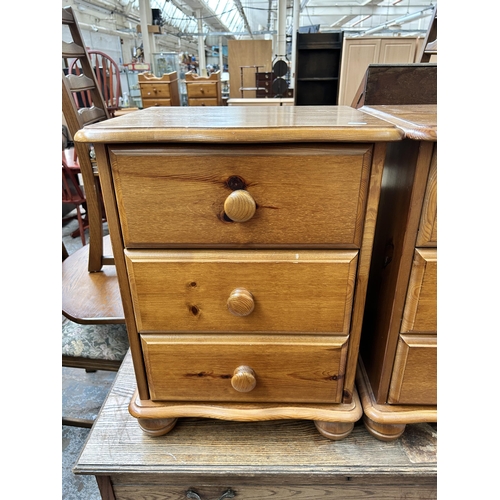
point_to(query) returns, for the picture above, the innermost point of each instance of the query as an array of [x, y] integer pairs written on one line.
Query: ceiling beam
[[372, 10]]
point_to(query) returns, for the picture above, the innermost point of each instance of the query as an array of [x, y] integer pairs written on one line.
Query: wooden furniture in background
[[247, 53], [73, 194], [159, 91], [246, 236], [359, 53], [397, 84], [108, 78], [210, 459], [275, 101], [397, 376], [74, 89], [203, 90], [264, 86], [318, 68], [428, 49], [90, 298]]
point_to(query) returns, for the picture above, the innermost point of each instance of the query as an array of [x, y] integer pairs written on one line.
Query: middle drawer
[[252, 291]]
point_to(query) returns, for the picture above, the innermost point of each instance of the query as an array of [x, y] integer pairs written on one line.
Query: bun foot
[[383, 432], [334, 430], [157, 426]]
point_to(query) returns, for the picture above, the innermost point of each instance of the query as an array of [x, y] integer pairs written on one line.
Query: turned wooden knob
[[240, 206], [240, 302], [244, 379]]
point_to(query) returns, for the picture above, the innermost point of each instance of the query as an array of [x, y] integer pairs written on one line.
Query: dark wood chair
[[391, 84], [107, 74], [73, 194]]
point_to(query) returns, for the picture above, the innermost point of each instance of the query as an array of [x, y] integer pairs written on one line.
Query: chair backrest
[[78, 116], [107, 73]]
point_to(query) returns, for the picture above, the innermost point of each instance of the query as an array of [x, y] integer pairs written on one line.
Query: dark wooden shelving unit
[[318, 68]]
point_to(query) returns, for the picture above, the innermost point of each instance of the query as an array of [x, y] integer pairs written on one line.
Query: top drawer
[[304, 195], [427, 231], [201, 89], [158, 90]]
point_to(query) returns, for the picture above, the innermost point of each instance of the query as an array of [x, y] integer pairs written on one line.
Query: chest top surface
[[243, 124], [418, 121]]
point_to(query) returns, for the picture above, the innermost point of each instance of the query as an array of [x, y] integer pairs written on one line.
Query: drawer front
[[304, 195], [420, 312], [158, 91], [284, 489], [201, 90], [414, 379], [427, 232], [289, 291], [260, 368], [202, 101], [147, 103]]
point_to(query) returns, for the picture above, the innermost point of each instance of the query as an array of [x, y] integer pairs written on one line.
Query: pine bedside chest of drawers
[[159, 91], [242, 239], [397, 376]]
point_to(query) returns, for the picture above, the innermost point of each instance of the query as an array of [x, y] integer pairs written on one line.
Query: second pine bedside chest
[[242, 239], [397, 376]]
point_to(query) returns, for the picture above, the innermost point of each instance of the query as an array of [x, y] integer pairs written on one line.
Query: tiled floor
[[82, 396]]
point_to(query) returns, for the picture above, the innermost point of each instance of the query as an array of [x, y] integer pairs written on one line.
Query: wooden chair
[[391, 84], [73, 194], [94, 334], [108, 78], [74, 88]]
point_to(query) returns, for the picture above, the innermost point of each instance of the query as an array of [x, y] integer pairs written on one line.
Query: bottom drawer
[[203, 102], [245, 368], [148, 103], [414, 377]]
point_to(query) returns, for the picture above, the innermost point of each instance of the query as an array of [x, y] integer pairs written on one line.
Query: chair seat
[[100, 342], [90, 298]]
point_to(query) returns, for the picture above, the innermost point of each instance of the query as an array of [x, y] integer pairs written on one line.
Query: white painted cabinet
[[358, 53]]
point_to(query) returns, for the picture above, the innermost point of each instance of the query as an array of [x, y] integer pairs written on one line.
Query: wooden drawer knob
[[240, 302], [244, 379], [240, 206]]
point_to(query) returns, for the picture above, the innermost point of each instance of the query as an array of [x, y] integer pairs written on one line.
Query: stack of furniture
[[203, 90], [264, 85], [318, 68], [159, 91], [243, 238]]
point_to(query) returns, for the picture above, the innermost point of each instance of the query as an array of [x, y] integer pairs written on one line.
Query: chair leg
[[80, 225]]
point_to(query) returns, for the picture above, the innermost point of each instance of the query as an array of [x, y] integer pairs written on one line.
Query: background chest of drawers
[[159, 91], [264, 85], [242, 240], [203, 90], [397, 377]]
